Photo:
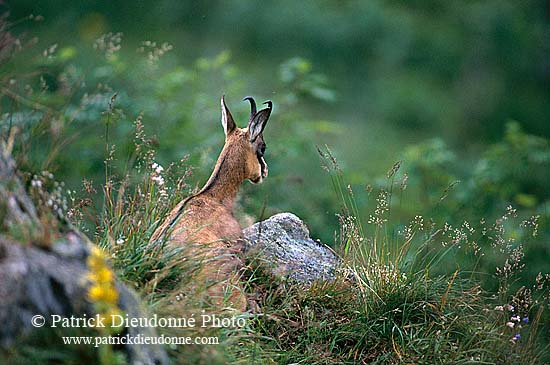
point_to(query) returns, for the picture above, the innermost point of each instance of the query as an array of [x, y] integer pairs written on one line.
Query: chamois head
[[246, 146]]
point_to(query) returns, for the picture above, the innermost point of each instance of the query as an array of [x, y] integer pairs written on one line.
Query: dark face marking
[[259, 147]]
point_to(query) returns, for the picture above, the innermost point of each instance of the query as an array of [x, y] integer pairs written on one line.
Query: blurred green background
[[456, 91]]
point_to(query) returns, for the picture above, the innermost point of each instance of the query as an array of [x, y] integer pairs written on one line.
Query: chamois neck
[[226, 179]]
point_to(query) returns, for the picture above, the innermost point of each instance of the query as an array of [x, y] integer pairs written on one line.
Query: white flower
[[159, 180], [158, 168], [510, 324]]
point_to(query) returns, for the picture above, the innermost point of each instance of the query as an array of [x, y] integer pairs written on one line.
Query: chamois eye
[[261, 149]]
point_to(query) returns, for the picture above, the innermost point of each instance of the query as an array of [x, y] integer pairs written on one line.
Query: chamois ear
[[227, 119], [258, 121]]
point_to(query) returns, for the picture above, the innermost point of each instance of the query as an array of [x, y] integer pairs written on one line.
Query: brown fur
[[206, 221]]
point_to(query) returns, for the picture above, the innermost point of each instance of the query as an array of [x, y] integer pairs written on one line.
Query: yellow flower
[[103, 293], [95, 293], [96, 259], [104, 275]]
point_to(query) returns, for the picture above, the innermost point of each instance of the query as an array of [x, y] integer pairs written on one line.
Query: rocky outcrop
[[43, 271], [283, 244]]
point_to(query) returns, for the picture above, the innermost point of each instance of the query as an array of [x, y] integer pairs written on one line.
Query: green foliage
[[430, 164], [80, 108], [514, 170], [296, 73], [81, 104], [411, 312]]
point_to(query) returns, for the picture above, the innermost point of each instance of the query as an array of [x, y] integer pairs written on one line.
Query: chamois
[[205, 220]]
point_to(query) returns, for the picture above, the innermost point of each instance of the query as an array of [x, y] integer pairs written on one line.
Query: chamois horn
[[252, 106]]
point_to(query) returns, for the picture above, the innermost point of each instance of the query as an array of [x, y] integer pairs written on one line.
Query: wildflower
[[515, 318], [49, 52], [533, 223], [109, 44], [525, 319], [499, 308], [103, 293], [95, 260], [120, 241], [154, 51], [103, 275], [158, 168], [509, 308], [94, 293], [36, 183], [510, 324], [517, 336], [382, 207], [404, 182], [156, 176], [159, 180]]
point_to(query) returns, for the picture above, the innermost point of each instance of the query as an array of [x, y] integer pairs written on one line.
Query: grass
[[385, 307], [400, 298]]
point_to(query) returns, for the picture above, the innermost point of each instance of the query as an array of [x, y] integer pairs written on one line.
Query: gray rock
[[16, 208], [46, 279], [283, 243], [36, 281]]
